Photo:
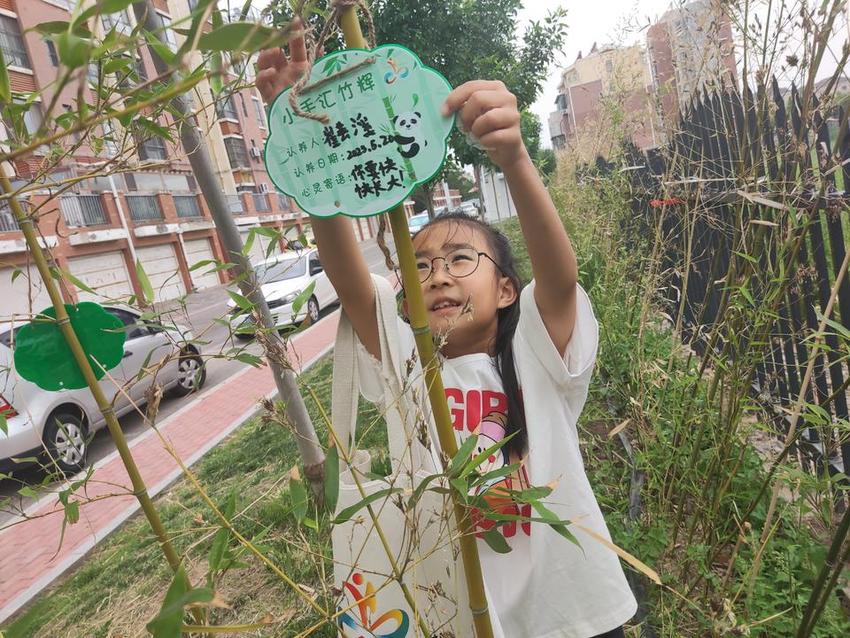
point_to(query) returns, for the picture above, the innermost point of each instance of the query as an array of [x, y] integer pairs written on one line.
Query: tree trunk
[[196, 149], [429, 198]]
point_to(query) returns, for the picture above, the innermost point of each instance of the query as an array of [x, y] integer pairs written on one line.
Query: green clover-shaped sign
[[43, 357], [384, 136]]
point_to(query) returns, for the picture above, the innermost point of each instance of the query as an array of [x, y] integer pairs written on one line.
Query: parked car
[[282, 278], [56, 426], [416, 222]]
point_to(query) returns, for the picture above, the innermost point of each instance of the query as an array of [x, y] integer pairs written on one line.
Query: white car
[[56, 426], [282, 278], [416, 222]]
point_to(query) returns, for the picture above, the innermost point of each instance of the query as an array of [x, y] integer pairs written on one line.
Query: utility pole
[[196, 149]]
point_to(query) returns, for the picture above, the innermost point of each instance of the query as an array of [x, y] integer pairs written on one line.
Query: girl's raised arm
[[489, 111], [341, 257]]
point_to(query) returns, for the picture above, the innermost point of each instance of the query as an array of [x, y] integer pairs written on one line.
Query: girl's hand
[[489, 111], [276, 72]]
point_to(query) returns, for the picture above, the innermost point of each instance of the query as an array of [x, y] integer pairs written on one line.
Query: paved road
[[201, 310]]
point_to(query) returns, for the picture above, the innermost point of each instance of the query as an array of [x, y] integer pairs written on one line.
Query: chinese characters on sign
[[384, 134]]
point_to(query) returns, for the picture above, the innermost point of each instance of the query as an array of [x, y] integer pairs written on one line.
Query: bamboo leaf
[[73, 50], [5, 84], [4, 424], [479, 458], [420, 489], [161, 49], [297, 496], [631, 560], [555, 523], [462, 455], [246, 247], [496, 541], [350, 511], [154, 128], [216, 67], [241, 36], [494, 474], [243, 302], [145, 283], [302, 297], [103, 7], [169, 620], [331, 478], [60, 274]]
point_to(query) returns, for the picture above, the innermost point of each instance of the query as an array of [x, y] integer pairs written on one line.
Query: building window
[[119, 21], [144, 207], [226, 109], [187, 206], [261, 117], [8, 223], [12, 44], [244, 108], [83, 210], [153, 148], [168, 33], [51, 53], [33, 118], [236, 152]]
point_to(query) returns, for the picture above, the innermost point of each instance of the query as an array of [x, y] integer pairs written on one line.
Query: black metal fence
[[739, 163]]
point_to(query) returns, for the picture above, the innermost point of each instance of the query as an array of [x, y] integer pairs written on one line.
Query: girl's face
[[463, 309]]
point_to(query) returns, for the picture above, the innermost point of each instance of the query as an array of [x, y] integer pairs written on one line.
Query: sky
[[624, 22], [619, 22]]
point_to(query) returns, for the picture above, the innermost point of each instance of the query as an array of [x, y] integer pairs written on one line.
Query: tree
[[463, 40]]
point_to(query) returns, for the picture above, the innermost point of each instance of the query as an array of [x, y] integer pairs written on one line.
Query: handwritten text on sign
[[384, 136]]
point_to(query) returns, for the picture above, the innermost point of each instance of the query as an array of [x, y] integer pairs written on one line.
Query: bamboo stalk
[[427, 355], [139, 488]]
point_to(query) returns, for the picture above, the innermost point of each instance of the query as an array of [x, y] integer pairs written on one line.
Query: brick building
[[608, 84], [691, 48], [152, 210]]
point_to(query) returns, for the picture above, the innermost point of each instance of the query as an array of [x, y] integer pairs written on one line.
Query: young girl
[[512, 361]]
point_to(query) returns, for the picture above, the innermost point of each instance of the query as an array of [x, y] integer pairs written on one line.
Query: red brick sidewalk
[[29, 560]]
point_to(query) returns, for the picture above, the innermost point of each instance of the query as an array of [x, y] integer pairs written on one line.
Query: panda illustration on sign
[[409, 134]]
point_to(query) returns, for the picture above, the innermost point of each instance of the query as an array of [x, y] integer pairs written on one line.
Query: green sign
[[384, 136], [43, 356]]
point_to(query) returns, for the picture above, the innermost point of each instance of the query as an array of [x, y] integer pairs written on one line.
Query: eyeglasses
[[459, 263]]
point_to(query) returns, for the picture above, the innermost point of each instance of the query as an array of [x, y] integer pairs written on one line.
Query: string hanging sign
[[373, 132]]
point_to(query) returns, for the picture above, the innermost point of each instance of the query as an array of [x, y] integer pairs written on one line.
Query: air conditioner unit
[[256, 153]]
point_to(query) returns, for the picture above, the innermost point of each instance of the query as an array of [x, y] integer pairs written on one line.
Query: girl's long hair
[[508, 318]]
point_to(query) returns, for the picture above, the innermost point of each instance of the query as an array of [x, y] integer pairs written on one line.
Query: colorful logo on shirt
[[360, 620]]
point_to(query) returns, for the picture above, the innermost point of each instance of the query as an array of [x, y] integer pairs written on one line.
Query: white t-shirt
[[545, 587]]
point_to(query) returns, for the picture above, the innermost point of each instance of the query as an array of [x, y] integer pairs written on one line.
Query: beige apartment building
[[689, 49], [151, 211], [606, 92]]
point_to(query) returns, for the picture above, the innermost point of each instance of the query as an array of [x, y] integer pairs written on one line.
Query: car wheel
[[65, 439], [313, 310], [191, 374]]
